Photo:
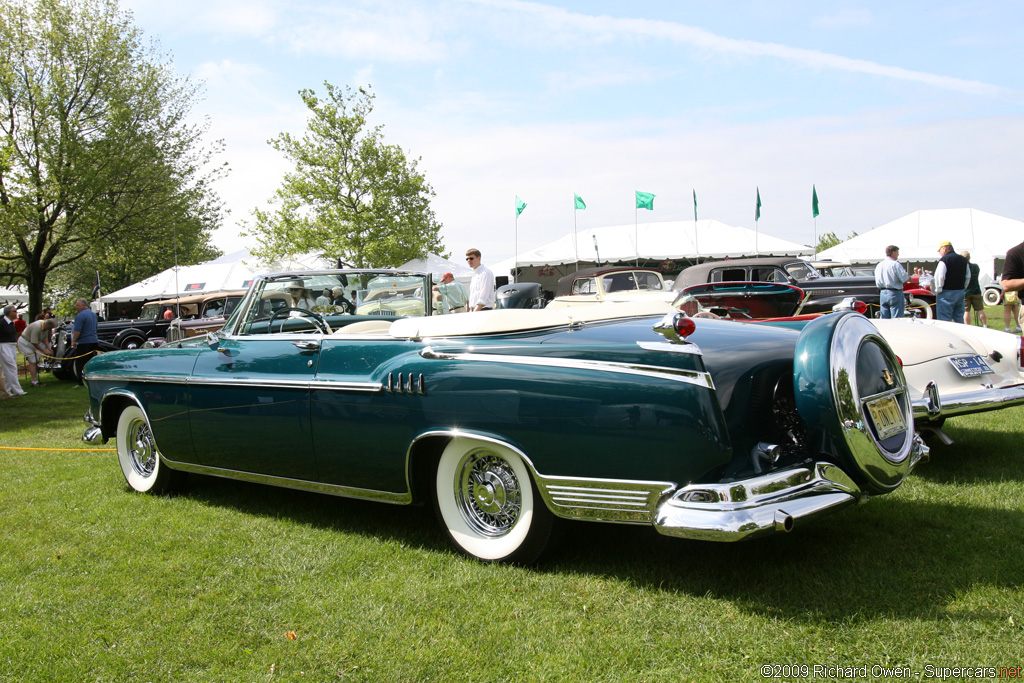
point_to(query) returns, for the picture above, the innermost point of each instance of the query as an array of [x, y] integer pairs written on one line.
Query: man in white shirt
[[889, 278], [9, 352], [481, 288]]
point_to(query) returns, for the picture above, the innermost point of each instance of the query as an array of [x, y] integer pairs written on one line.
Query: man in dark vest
[[951, 279]]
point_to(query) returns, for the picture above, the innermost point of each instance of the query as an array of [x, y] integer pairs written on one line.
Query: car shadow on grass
[[895, 557], [413, 526]]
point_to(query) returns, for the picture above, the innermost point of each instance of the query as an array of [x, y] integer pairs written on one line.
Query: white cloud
[[553, 25], [843, 19]]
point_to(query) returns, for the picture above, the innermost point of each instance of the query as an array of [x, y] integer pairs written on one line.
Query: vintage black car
[[821, 293]]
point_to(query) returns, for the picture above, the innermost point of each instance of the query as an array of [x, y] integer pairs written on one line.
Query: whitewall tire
[[487, 503], [922, 306], [139, 457]]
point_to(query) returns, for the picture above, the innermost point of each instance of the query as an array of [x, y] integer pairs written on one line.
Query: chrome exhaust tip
[[783, 521]]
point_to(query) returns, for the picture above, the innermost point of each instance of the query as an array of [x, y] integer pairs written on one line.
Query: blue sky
[[886, 107]]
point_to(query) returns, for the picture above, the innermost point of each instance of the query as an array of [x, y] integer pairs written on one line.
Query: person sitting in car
[[301, 297]]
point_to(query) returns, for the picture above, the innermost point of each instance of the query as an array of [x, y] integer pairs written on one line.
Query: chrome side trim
[[153, 379], [690, 348], [603, 500], [756, 506], [246, 382], [368, 387], [371, 387], [702, 379], [299, 484]]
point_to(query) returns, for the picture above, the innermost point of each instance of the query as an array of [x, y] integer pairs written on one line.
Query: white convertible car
[[956, 369]]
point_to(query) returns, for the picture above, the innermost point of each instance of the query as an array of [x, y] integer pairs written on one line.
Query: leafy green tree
[[827, 240], [96, 148], [134, 257], [351, 196]]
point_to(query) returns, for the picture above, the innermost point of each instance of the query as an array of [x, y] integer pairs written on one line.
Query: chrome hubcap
[[141, 449], [488, 493]]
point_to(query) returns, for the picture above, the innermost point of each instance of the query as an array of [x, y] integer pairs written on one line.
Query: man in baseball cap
[[450, 296]]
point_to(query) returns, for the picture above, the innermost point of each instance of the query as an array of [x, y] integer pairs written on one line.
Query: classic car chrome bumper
[[932, 406], [93, 432], [751, 507]]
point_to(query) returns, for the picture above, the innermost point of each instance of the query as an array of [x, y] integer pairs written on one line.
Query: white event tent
[[918, 235], [438, 266], [230, 272], [13, 295], [707, 239], [703, 239]]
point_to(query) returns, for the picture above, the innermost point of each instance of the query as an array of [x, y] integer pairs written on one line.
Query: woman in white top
[[301, 297]]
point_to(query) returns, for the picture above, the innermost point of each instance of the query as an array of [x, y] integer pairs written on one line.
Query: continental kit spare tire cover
[[851, 392]]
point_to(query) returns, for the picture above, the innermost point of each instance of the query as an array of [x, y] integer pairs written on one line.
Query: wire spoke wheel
[[488, 494], [139, 457], [486, 501]]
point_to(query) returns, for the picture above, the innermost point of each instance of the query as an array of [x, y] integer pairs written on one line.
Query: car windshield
[[631, 281], [288, 303], [150, 311], [802, 271]]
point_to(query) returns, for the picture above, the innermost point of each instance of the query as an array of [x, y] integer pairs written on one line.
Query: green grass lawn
[[100, 584]]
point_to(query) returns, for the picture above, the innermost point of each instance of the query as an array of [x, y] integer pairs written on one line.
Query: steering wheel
[[317, 320]]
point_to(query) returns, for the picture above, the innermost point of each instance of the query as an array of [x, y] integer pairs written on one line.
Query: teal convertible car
[[509, 422]]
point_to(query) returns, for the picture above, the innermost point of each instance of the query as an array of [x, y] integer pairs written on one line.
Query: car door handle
[[307, 345]]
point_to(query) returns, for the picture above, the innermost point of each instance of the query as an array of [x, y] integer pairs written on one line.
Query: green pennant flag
[[520, 205], [695, 206], [580, 204], [644, 200], [814, 201], [757, 209]]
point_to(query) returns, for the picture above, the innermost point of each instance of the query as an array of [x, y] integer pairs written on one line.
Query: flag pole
[[575, 242], [814, 215], [636, 238], [757, 217], [515, 259], [696, 242]]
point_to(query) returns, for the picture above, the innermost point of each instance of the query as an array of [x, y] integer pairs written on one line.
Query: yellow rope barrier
[[62, 450], [46, 355]]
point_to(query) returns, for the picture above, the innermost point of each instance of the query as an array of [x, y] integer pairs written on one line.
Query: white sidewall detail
[[922, 305], [465, 536], [139, 482]]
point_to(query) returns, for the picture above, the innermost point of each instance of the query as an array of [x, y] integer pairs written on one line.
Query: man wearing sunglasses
[[481, 288]]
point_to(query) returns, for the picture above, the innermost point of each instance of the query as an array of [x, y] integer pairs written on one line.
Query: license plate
[[971, 366], [887, 416]]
